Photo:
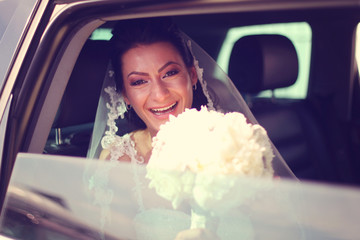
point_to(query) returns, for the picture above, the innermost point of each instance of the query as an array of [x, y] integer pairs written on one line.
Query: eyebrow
[[167, 64], [137, 73], [160, 69]]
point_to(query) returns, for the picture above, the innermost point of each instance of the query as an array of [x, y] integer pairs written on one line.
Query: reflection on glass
[[53, 197]]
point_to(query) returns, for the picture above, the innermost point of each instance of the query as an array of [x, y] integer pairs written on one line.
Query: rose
[[174, 186]]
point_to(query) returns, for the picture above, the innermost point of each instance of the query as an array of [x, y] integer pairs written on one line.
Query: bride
[[157, 72]]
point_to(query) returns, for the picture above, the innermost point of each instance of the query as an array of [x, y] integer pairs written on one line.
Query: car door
[[45, 58]]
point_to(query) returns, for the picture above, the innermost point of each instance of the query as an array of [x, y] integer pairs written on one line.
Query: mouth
[[164, 110]]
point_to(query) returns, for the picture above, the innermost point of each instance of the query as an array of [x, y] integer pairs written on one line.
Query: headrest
[[263, 62], [80, 100]]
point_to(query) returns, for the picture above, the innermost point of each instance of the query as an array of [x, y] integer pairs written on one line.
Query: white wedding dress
[[156, 219], [151, 217]]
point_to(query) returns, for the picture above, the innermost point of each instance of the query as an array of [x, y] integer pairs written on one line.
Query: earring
[[194, 87], [128, 107]]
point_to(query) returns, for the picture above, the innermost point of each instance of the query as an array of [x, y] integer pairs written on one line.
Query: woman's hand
[[198, 233]]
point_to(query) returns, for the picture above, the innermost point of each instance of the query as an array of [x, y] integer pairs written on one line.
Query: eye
[[137, 82], [170, 73]]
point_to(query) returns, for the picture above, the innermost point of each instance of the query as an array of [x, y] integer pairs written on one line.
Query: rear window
[[299, 33], [101, 34]]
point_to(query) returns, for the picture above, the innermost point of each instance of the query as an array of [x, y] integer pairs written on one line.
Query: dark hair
[[128, 34]]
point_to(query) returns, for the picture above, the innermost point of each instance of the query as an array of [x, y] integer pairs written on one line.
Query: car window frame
[[3, 126], [52, 100]]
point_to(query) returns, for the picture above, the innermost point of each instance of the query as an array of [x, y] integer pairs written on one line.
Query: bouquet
[[199, 157]]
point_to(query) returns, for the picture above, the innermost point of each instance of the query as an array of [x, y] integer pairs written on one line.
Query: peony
[[203, 154]]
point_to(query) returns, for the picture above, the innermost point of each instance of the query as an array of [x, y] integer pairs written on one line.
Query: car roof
[[260, 4]]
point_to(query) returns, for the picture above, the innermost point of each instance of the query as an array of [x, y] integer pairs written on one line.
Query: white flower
[[204, 153], [167, 185]]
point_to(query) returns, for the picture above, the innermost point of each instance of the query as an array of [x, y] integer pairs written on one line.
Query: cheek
[[189, 98], [186, 91], [135, 98]]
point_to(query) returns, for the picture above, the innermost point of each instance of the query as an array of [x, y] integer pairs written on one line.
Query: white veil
[[111, 107], [219, 90]]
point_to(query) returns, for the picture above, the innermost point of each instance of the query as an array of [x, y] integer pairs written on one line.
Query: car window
[[101, 34], [13, 19], [300, 35]]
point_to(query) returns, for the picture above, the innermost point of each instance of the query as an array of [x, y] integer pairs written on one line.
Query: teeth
[[163, 109]]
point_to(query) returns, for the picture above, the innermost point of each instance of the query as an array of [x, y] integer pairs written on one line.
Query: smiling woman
[[160, 88], [155, 75]]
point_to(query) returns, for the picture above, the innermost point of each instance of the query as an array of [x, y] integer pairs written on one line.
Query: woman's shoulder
[[105, 154], [133, 143], [118, 144], [136, 144]]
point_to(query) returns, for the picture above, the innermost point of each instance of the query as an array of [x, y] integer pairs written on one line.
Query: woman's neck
[[143, 140]]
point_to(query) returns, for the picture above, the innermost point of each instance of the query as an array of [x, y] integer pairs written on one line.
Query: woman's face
[[157, 83]]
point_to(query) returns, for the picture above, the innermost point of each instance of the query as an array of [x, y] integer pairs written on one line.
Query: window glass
[[14, 15], [299, 33], [101, 34], [96, 200], [5, 16]]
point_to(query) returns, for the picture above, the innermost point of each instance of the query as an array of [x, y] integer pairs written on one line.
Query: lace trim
[[117, 108], [137, 160], [103, 194], [203, 83], [125, 146], [121, 146]]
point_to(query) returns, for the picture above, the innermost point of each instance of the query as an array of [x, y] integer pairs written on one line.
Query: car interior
[[268, 62], [318, 136]]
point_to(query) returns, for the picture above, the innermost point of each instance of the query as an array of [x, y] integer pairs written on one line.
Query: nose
[[159, 90]]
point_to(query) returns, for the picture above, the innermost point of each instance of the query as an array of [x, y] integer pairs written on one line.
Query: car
[[298, 72]]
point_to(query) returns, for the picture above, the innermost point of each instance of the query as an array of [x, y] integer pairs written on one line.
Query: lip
[[164, 111]]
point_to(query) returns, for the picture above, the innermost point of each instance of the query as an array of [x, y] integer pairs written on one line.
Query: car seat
[[268, 62]]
